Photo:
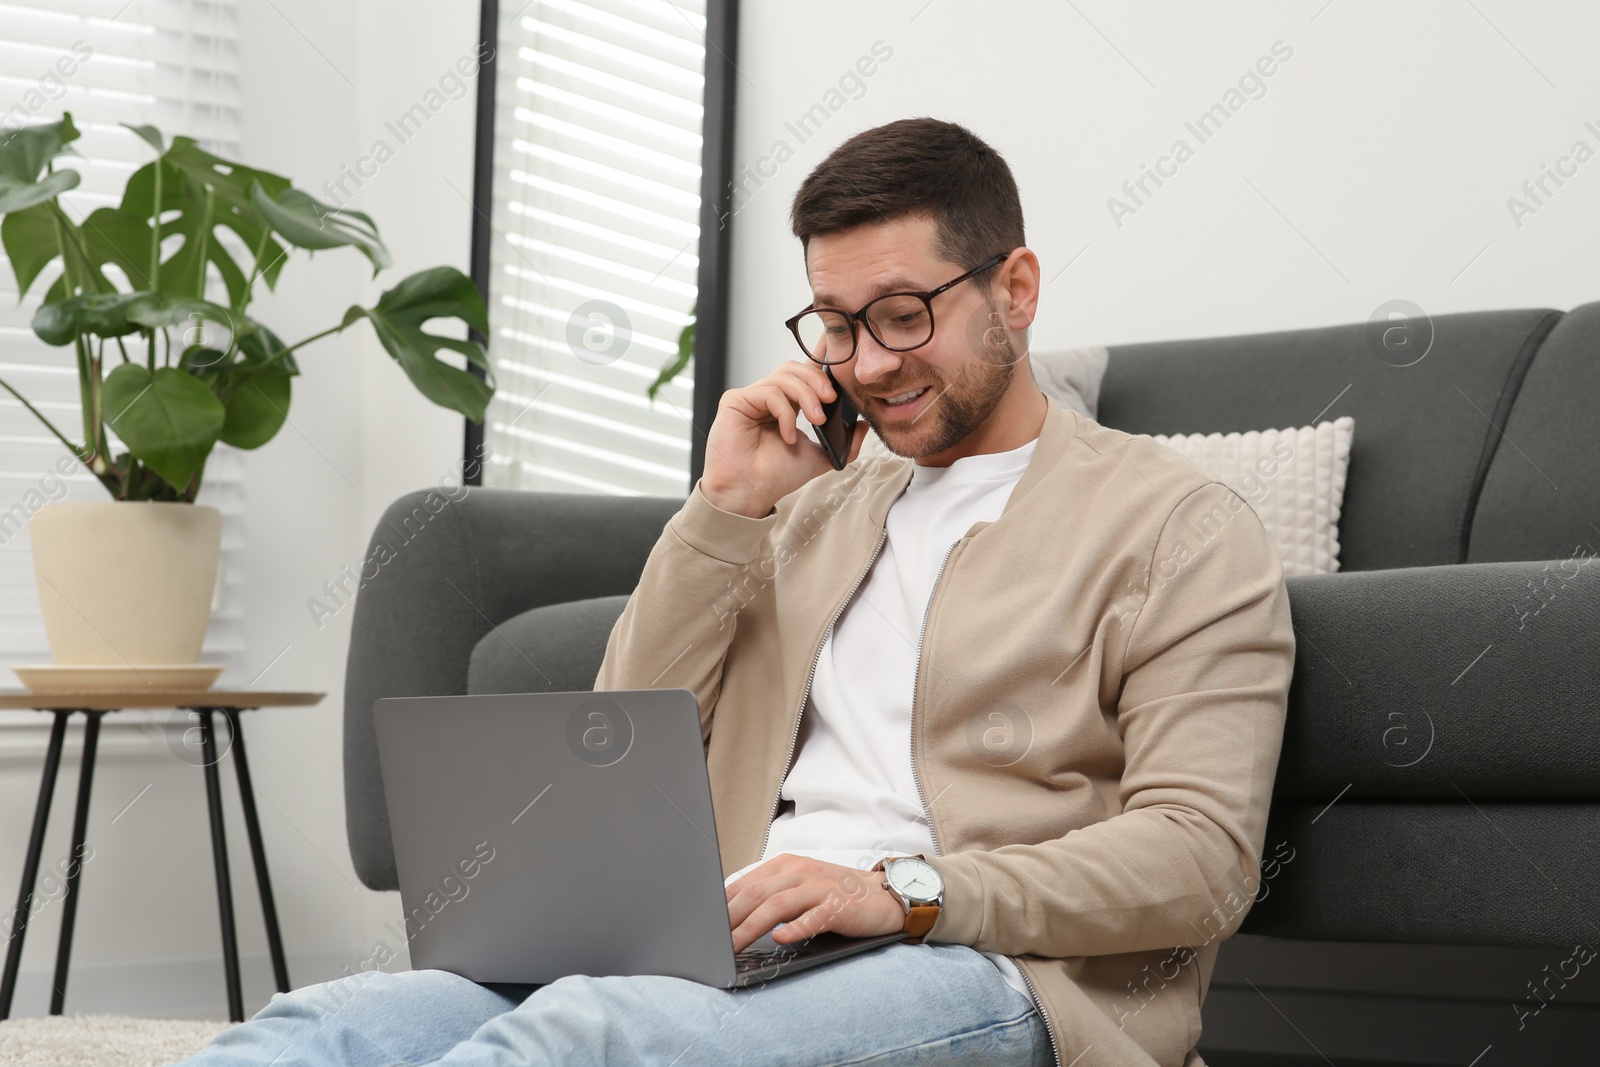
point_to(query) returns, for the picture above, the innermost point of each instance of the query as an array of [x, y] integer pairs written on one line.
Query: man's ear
[[1020, 299]]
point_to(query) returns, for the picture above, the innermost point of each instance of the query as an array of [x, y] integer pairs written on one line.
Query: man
[[1036, 667]]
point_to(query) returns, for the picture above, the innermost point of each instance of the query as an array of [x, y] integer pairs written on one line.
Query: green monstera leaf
[[163, 310], [119, 314], [255, 405], [149, 135], [123, 238], [307, 222], [169, 420], [31, 240], [207, 192], [254, 390], [101, 314], [24, 155], [398, 318], [256, 410], [33, 232]]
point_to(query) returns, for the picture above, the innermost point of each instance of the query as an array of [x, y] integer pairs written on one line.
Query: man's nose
[[873, 362]]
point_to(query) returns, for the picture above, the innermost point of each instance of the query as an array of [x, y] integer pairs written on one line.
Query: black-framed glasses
[[899, 322]]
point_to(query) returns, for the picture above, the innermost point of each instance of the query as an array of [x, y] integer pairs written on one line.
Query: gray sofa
[[1440, 777]]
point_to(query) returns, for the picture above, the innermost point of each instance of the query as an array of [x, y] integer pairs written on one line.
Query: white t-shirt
[[850, 797]]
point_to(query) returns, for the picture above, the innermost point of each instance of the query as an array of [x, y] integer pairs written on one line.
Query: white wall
[[319, 82], [369, 435], [1375, 166]]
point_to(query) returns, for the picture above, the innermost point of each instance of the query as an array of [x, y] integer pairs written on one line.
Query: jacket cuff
[[722, 535], [961, 914]]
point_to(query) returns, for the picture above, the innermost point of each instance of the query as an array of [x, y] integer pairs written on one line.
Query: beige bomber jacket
[[1101, 687]]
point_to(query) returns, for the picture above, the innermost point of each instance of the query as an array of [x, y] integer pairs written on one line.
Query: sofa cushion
[[1443, 683], [1428, 430], [554, 649], [1292, 479], [1479, 873]]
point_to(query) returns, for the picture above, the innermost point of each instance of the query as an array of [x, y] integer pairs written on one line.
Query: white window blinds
[[169, 63], [595, 217]]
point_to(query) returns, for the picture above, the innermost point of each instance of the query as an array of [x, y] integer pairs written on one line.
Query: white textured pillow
[[1294, 479]]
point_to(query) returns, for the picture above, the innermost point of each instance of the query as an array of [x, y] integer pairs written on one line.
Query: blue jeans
[[901, 1004]]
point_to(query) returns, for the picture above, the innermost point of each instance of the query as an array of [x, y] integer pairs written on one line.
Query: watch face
[[915, 879]]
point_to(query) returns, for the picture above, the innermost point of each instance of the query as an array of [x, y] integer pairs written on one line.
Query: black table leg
[[80, 822], [30, 867], [219, 852], [247, 799]]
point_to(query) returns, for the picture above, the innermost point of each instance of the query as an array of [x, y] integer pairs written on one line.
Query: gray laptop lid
[[538, 835]]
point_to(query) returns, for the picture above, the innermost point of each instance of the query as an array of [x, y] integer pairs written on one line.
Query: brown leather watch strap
[[921, 920]]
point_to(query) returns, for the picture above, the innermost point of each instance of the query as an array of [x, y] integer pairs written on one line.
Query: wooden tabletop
[[147, 697]]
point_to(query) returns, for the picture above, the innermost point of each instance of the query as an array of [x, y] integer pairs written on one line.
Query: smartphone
[[839, 425]]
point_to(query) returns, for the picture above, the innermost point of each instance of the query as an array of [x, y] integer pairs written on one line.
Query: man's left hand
[[810, 896]]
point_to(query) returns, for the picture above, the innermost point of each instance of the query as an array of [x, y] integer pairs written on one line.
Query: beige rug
[[92, 1040]]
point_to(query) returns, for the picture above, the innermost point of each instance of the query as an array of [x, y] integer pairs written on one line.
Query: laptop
[[538, 835]]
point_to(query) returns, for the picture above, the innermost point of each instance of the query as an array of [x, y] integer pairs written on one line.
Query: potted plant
[[169, 371]]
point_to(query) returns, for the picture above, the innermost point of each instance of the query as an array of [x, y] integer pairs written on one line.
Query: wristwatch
[[918, 887]]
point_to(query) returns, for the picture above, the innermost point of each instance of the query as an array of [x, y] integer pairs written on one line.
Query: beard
[[960, 404]]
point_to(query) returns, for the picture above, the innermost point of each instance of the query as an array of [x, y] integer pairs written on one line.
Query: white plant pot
[[126, 582]]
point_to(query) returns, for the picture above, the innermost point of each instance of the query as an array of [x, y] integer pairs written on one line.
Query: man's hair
[[916, 166]]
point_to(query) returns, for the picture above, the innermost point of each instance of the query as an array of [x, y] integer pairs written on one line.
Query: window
[[594, 244], [170, 63]]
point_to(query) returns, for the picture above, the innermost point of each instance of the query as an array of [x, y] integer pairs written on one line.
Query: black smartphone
[[839, 424]]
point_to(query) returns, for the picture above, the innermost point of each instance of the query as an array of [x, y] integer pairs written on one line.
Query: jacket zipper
[[1042, 1013], [817, 658], [921, 797]]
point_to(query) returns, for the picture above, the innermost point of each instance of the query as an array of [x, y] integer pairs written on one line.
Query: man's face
[[968, 368]]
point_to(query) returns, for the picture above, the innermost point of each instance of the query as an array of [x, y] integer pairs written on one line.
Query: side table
[[95, 705]]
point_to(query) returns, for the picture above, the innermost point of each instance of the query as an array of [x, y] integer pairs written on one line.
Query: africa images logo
[[599, 732]]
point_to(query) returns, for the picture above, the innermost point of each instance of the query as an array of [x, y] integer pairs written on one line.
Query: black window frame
[[716, 216]]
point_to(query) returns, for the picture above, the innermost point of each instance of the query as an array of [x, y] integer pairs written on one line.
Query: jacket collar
[[888, 478]]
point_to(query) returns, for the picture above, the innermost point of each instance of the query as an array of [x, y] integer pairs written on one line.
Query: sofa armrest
[[438, 575], [1430, 683]]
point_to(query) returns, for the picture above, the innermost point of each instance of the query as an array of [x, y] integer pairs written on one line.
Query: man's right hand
[[755, 452]]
